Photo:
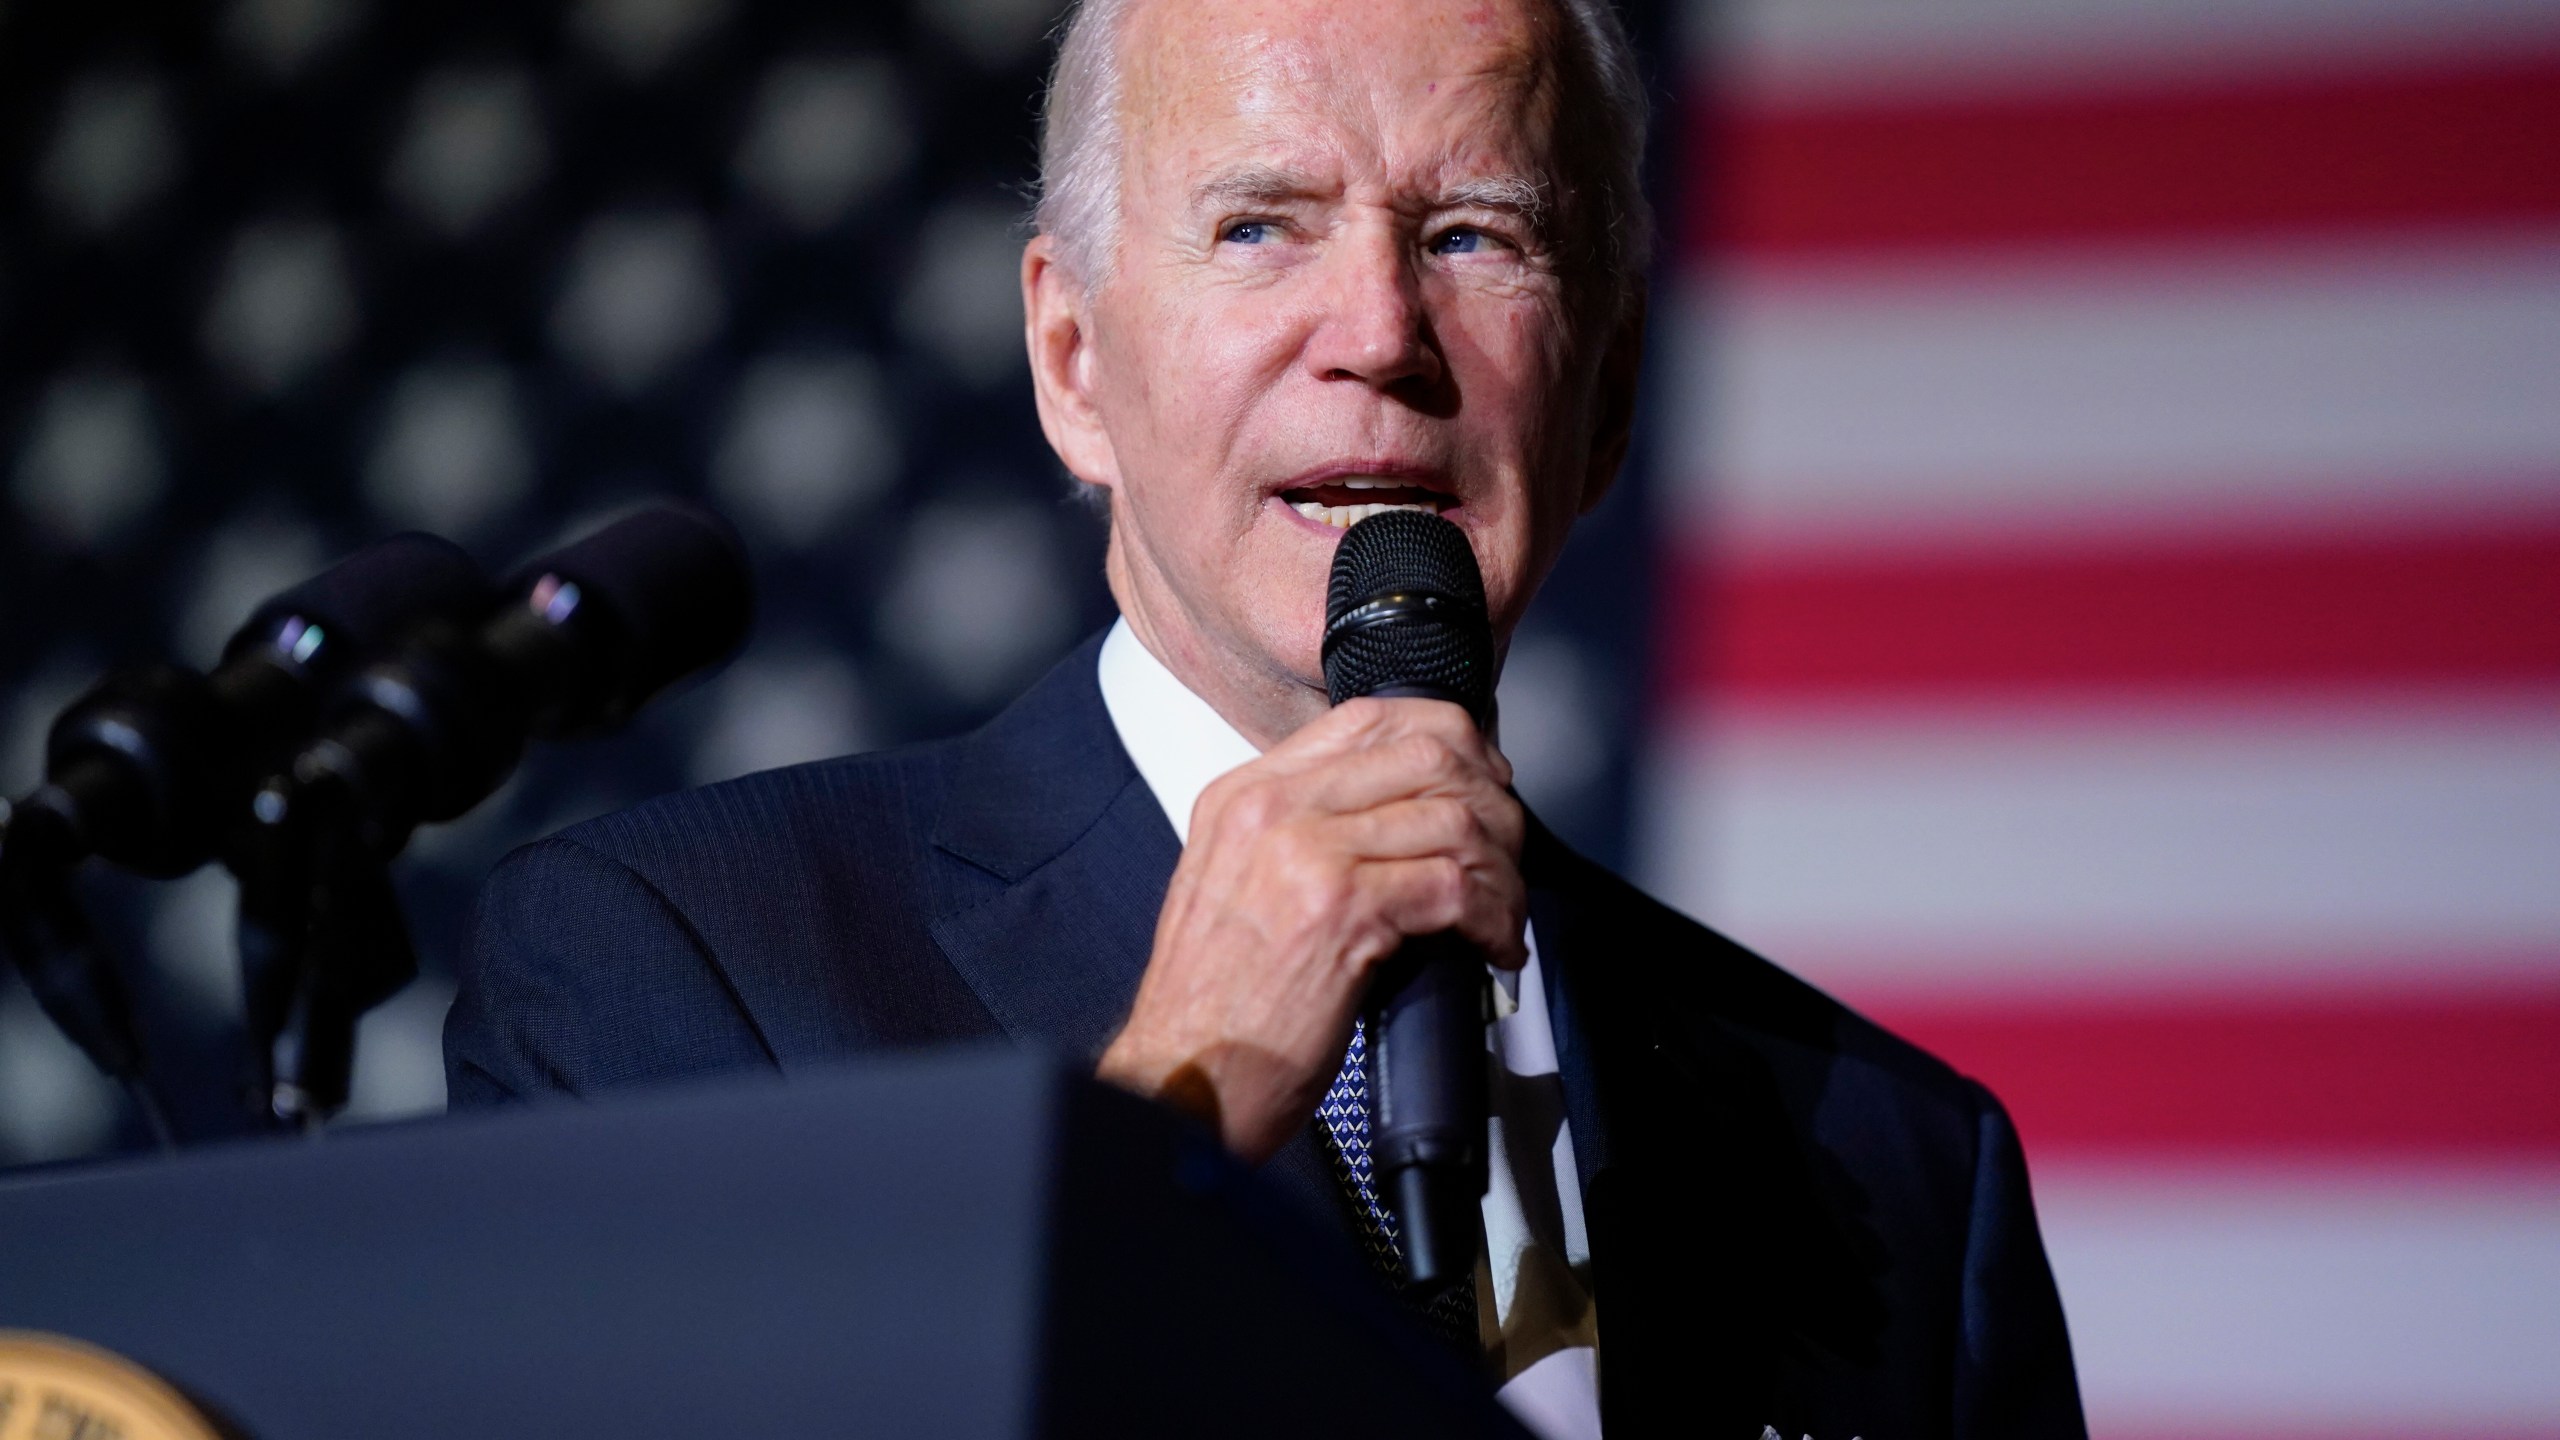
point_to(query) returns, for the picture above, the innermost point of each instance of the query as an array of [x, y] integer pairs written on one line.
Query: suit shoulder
[[793, 904], [1702, 972], [878, 805]]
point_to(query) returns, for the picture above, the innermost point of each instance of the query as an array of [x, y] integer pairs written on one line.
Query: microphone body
[[1405, 618], [1427, 1103]]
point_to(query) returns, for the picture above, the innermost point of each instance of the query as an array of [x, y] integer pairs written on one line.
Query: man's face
[[1340, 281]]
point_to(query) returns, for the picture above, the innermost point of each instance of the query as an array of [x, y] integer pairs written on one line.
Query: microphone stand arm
[[322, 940]]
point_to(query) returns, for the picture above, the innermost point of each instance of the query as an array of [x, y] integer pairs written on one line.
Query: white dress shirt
[[1533, 1289]]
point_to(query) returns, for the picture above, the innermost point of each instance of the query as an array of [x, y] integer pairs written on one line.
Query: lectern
[[959, 1244]]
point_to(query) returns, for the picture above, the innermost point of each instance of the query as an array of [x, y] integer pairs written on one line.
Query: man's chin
[[1296, 657], [1283, 636], [1292, 620]]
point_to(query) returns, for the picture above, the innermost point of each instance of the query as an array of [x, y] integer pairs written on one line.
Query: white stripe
[[1817, 51], [2226, 1303], [1887, 840], [1895, 401]]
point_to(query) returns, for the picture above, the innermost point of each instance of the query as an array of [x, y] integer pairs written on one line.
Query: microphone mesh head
[[369, 599], [674, 579], [1405, 612]]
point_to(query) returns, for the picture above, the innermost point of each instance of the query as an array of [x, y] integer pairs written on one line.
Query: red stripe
[[2479, 607], [2478, 144], [2417, 1073]]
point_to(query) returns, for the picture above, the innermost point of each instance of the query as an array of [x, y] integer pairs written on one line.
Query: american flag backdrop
[[2099, 490], [2110, 632]]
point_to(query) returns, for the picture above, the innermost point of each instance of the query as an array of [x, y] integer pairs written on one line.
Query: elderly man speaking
[[1297, 261]]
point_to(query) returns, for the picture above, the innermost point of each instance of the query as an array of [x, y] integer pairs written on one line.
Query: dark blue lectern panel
[[960, 1245]]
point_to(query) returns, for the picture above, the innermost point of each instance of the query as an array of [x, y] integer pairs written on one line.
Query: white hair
[[1080, 143]]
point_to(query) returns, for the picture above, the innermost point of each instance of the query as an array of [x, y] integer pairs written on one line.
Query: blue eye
[[1248, 232], [1460, 241]]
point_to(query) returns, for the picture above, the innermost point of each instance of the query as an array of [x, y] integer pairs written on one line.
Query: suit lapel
[[1556, 921], [1735, 1278], [1045, 801], [1660, 1158], [1056, 955]]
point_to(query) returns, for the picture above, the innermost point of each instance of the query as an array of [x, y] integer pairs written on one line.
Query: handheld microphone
[[1405, 616]]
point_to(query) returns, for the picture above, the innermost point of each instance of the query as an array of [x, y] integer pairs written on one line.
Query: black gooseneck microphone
[[581, 638], [1404, 616], [152, 766]]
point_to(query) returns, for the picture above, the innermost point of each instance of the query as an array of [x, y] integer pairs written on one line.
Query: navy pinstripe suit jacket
[[1797, 1220]]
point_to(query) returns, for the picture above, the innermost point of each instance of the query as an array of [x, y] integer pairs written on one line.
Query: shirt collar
[[1178, 743]]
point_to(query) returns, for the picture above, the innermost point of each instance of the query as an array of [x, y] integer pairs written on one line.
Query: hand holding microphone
[[1405, 616], [1310, 869]]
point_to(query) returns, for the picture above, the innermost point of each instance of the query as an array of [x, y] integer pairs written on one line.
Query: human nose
[[1374, 327]]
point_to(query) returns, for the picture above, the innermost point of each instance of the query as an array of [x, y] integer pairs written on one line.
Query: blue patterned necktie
[[1344, 1116]]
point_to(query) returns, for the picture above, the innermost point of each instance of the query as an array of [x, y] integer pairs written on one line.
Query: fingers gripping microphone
[[1405, 617]]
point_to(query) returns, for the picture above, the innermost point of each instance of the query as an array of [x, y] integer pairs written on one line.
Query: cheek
[[1517, 371], [1509, 358], [1211, 335], [1198, 363]]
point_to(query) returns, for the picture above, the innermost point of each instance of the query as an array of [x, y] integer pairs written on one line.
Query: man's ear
[[1057, 328], [1614, 400]]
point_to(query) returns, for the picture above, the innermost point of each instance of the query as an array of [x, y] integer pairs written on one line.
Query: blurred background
[[2087, 592], [2109, 630]]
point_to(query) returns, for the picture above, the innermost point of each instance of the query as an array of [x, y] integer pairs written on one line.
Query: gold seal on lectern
[[57, 1389]]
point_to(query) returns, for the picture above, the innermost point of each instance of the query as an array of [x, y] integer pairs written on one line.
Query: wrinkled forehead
[[1404, 89]]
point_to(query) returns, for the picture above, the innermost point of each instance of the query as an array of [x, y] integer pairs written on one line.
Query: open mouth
[[1346, 501]]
